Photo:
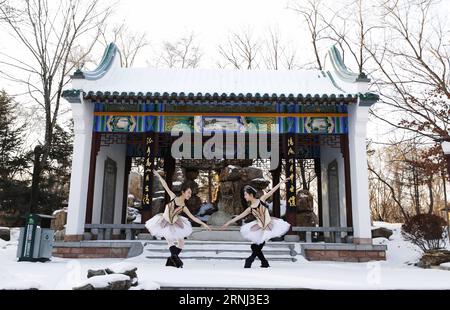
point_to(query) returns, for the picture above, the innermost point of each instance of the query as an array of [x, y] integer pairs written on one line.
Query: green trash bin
[[36, 239]]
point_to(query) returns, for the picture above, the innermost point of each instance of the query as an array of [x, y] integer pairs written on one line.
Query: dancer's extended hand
[[206, 226], [224, 226]]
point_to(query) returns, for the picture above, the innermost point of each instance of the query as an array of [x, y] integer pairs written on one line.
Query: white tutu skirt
[[159, 227], [254, 233]]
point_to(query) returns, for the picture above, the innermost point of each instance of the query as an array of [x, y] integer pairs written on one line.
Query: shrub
[[427, 231]]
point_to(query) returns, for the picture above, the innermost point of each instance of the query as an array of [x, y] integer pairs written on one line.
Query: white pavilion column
[[358, 118], [83, 123]]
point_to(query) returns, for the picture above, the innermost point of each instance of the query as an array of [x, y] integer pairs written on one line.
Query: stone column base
[[73, 238], [362, 240]]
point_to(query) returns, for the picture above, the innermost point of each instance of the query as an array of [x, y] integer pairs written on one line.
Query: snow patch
[[9, 281], [146, 285], [58, 211], [121, 267], [104, 281]]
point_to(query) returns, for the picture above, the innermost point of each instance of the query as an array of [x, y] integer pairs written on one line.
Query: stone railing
[[330, 234], [105, 231]]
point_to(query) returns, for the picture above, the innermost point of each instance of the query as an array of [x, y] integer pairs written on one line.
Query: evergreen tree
[[12, 160], [14, 191]]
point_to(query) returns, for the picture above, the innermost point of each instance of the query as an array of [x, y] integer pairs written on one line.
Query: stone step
[[211, 257], [217, 246], [222, 243], [221, 250], [215, 253]]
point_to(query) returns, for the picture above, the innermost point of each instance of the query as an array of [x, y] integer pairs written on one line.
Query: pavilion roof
[[111, 81]]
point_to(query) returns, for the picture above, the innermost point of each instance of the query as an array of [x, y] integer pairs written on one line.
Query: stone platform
[[343, 252], [98, 249]]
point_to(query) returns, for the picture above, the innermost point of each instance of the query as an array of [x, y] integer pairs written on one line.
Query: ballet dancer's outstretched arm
[[189, 214], [164, 184], [237, 218], [272, 191]]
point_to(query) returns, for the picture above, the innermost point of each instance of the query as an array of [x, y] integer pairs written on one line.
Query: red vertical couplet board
[[291, 210], [148, 178]]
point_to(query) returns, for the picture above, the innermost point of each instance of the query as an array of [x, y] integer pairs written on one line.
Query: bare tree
[[242, 50], [310, 11], [130, 43], [414, 73], [183, 53], [277, 54], [48, 31]]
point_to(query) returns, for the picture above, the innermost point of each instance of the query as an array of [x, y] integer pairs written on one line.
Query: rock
[[381, 232], [230, 173], [251, 173], [94, 273], [86, 287], [106, 282], [194, 203], [307, 219], [125, 269], [120, 285], [219, 218], [191, 174], [304, 200], [434, 258], [122, 268], [5, 233], [226, 189], [193, 186], [60, 219], [134, 282], [259, 184]]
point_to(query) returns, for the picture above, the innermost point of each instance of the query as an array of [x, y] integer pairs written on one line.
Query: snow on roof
[[111, 77]]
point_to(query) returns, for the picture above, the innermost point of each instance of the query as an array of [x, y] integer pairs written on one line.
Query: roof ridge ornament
[[109, 56], [341, 69]]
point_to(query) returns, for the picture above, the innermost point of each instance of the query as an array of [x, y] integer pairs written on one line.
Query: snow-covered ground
[[398, 272]]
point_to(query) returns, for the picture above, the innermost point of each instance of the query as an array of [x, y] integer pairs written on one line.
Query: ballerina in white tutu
[[171, 225], [263, 228]]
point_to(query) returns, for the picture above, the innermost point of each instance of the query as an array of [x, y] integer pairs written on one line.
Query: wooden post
[[348, 189], [169, 169], [209, 186], [276, 196], [95, 148], [149, 165], [126, 178], [318, 171]]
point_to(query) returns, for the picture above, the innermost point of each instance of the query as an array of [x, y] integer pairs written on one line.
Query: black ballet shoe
[[170, 262], [264, 263], [177, 258], [174, 256]]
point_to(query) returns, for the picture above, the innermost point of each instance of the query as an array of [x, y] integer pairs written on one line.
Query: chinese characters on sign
[[148, 167], [290, 172]]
